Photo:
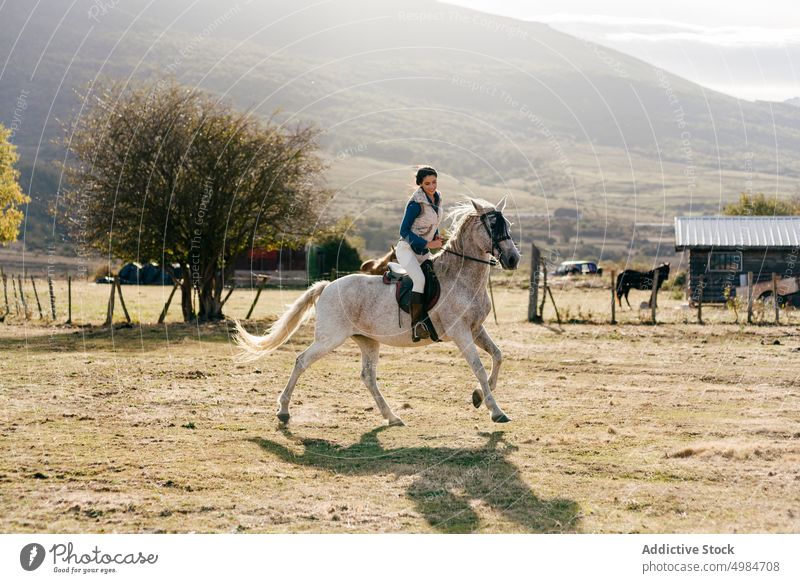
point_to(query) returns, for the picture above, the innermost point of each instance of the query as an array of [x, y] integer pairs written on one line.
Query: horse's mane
[[461, 213]]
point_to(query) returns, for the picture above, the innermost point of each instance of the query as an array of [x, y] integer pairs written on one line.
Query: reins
[[493, 261]]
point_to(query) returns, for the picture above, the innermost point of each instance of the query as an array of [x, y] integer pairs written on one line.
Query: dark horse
[[639, 280], [378, 266]]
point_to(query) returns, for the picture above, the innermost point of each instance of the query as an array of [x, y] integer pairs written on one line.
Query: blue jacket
[[413, 208]]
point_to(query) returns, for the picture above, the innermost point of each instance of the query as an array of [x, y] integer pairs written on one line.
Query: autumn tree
[[11, 196], [757, 205], [170, 174]]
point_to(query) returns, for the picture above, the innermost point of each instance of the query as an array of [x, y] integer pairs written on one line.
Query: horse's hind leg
[[322, 345], [370, 352]]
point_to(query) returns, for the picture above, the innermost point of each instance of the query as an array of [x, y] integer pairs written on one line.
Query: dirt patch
[[628, 428]]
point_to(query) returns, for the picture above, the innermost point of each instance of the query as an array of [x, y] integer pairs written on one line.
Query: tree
[[11, 196], [759, 205], [339, 249], [170, 174]]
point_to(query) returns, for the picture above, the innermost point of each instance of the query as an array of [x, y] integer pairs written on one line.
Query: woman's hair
[[424, 171]]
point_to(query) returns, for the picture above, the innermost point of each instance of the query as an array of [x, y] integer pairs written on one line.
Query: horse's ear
[[476, 205], [502, 204]]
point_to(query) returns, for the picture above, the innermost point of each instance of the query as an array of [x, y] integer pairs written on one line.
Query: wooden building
[[722, 250]]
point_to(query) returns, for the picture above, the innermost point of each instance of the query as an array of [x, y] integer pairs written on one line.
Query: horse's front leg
[[485, 343], [466, 343]]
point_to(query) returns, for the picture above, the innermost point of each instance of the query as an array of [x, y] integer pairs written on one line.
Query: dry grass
[[628, 428]]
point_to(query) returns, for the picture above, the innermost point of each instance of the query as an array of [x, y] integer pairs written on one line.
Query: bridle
[[497, 231]]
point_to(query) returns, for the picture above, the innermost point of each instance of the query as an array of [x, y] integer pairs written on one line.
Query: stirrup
[[419, 331]]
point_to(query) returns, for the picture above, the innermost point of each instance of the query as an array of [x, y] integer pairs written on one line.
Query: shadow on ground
[[447, 481]]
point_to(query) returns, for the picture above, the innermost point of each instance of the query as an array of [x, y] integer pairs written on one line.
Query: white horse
[[363, 308]]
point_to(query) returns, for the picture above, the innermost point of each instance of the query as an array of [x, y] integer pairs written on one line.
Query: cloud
[[619, 29], [725, 37], [608, 20]]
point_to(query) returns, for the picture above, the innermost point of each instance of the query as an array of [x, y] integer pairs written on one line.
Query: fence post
[[166, 305], [5, 290], [52, 297], [533, 290], [544, 290], [16, 299], [69, 299], [122, 300], [700, 300], [654, 295], [36, 295], [110, 310], [230, 291], [749, 297], [552, 299], [775, 296], [22, 297], [613, 298], [262, 281]]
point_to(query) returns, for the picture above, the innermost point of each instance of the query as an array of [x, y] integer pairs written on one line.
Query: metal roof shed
[[724, 249]]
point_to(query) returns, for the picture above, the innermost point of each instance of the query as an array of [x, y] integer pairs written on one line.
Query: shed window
[[730, 261]]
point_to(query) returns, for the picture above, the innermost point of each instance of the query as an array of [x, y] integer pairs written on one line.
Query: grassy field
[[627, 428]]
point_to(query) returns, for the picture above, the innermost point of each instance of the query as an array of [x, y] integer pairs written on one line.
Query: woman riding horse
[[355, 306], [419, 233]]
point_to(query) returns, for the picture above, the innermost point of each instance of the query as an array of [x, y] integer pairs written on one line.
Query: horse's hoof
[[396, 422], [502, 418], [283, 417], [477, 398]]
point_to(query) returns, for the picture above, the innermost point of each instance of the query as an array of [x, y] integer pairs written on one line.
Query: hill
[[498, 105]]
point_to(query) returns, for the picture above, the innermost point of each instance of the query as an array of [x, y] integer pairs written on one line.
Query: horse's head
[[486, 230]]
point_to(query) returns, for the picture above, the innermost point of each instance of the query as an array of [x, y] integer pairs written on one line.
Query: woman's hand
[[435, 244]]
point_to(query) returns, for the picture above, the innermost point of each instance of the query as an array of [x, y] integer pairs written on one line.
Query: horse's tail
[[253, 347]]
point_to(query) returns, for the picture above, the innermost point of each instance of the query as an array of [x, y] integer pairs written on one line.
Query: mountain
[[497, 105]]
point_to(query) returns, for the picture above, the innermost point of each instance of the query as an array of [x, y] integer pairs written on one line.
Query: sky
[[750, 50]]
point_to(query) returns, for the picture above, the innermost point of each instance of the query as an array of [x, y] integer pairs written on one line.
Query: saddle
[[398, 276]]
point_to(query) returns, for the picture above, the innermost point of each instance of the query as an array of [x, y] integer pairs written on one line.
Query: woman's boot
[[418, 328]]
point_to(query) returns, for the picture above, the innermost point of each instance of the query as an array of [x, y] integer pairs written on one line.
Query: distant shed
[[724, 249], [285, 266]]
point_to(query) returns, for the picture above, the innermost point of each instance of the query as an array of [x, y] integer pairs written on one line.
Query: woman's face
[[429, 184]]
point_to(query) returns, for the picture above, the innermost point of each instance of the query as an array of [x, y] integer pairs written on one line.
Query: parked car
[[788, 289], [578, 268]]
